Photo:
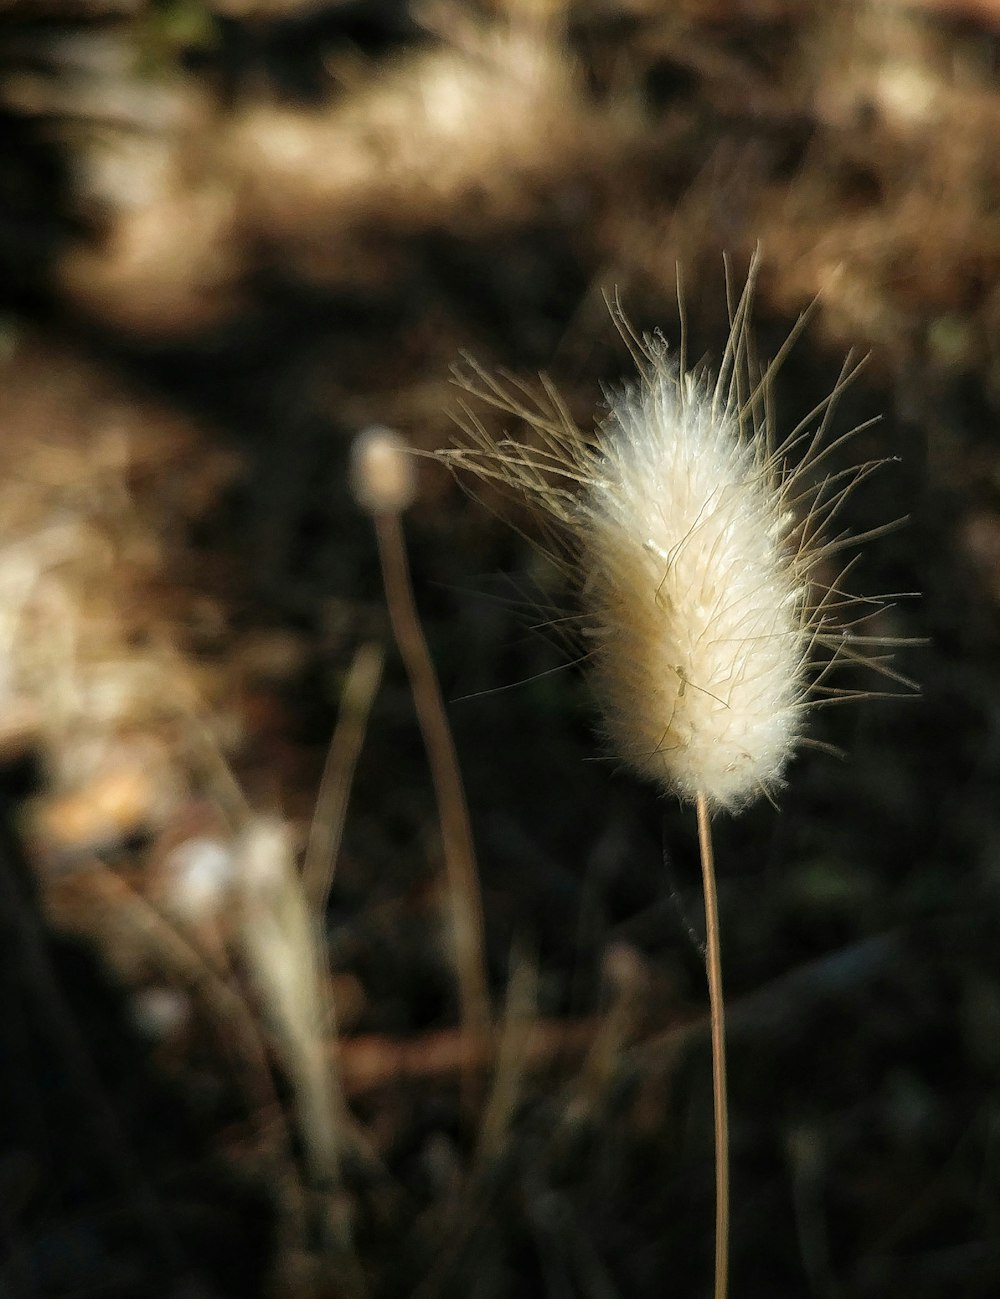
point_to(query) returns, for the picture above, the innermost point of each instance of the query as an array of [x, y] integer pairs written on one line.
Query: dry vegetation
[[233, 235]]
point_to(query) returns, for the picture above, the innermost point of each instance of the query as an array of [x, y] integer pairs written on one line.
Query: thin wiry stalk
[[456, 834], [713, 963], [327, 825]]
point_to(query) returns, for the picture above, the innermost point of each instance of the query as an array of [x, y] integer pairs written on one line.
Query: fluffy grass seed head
[[700, 550], [696, 605]]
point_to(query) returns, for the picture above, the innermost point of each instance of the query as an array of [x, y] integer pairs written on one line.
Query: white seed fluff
[[692, 594], [698, 548]]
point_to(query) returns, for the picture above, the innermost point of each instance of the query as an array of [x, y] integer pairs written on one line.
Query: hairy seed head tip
[[383, 479]]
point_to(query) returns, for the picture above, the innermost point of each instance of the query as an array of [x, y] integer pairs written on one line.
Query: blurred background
[[233, 234]]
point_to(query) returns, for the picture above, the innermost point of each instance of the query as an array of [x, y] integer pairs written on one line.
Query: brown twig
[[373, 1061]]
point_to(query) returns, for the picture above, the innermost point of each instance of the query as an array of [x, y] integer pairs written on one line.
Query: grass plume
[[700, 546], [702, 549]]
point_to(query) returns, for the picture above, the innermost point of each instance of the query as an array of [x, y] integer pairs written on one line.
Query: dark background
[[234, 234]]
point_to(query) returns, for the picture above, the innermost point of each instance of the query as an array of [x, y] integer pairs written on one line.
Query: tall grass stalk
[[383, 484], [712, 605]]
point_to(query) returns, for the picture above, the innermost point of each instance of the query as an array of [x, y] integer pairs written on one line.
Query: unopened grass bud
[[383, 476]]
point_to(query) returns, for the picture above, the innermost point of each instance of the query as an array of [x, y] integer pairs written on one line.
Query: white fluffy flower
[[695, 599], [698, 548]]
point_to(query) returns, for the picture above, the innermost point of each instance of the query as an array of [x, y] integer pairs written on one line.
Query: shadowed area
[[234, 235]]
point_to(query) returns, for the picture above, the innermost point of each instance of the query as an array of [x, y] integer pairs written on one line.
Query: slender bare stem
[[327, 827], [456, 833], [713, 961]]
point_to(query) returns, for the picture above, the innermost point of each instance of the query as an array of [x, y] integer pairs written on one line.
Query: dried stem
[[713, 961], [327, 827], [373, 1061], [456, 833]]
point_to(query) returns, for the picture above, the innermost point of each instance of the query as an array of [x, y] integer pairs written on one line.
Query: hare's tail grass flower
[[703, 552]]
